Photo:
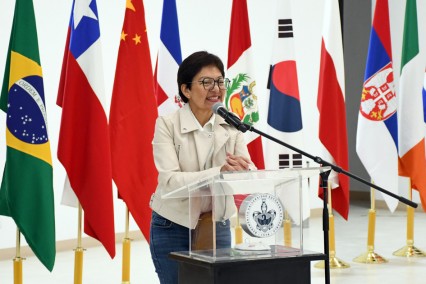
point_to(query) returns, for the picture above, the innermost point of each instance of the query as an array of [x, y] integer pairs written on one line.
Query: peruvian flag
[[169, 58], [132, 118], [84, 148], [331, 106], [241, 97]]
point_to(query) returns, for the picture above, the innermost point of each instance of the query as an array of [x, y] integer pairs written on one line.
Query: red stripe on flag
[[332, 128], [239, 39], [84, 151], [256, 152]]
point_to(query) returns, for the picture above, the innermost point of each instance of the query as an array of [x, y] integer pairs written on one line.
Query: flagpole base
[[370, 257], [17, 270], [125, 282], [409, 251], [335, 263]]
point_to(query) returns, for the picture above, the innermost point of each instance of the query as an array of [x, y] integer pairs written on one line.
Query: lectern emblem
[[261, 215]]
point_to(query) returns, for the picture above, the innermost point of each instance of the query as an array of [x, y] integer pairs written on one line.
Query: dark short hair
[[192, 65]]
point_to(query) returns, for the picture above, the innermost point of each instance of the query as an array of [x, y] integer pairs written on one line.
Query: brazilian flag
[[26, 192]]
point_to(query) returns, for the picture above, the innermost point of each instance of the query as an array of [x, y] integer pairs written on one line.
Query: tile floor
[[350, 242]]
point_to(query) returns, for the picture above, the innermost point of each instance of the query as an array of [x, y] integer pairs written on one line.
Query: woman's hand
[[235, 163]]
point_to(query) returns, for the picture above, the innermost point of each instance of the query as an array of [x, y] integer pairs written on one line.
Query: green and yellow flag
[[26, 192]]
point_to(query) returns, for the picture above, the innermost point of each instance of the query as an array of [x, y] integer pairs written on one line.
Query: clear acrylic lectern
[[270, 199]]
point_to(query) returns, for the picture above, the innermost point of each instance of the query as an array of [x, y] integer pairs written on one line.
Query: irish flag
[[412, 162]]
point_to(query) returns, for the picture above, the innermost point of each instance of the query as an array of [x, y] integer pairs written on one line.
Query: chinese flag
[[132, 118]]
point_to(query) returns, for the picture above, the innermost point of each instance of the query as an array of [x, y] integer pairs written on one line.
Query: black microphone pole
[[323, 185]]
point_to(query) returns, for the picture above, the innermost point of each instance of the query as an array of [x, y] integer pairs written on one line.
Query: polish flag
[[331, 106]]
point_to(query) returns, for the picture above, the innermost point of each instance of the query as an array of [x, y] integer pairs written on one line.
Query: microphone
[[230, 118]]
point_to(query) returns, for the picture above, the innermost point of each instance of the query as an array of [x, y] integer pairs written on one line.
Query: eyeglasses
[[208, 83]]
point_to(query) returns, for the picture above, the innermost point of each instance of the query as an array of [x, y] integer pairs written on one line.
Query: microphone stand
[[324, 180]]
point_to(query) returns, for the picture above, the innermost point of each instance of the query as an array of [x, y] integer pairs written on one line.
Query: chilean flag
[[84, 148], [331, 106], [377, 136], [168, 60]]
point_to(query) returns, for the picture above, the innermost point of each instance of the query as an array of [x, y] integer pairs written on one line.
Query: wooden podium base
[[271, 270]]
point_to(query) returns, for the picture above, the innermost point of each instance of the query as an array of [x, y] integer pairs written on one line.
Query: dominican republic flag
[[377, 136], [411, 138], [284, 112], [168, 60], [133, 105], [241, 97], [84, 148], [331, 106]]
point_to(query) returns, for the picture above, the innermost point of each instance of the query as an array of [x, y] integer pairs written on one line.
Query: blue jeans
[[166, 237]]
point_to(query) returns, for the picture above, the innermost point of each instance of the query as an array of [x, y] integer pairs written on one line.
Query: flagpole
[[78, 253], [238, 232], [334, 261], [125, 276], [370, 256], [17, 261], [287, 229], [410, 250]]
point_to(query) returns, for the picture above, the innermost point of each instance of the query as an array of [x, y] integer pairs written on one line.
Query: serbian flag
[[83, 147], [284, 116], [169, 58], [331, 106], [411, 138], [241, 97], [377, 136], [132, 118]]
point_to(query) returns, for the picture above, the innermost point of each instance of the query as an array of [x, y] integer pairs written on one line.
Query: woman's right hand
[[235, 163]]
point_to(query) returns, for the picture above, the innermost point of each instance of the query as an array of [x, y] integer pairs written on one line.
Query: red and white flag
[[241, 97], [132, 118], [331, 106], [84, 147]]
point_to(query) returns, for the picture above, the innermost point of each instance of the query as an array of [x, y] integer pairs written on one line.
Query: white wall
[[204, 25]]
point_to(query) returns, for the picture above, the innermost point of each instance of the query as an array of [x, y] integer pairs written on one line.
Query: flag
[[132, 118], [331, 106], [84, 147], [411, 138], [168, 60], [377, 136], [284, 116], [26, 192], [424, 100], [241, 97]]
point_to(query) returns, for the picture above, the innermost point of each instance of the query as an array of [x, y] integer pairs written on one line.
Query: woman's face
[[202, 97]]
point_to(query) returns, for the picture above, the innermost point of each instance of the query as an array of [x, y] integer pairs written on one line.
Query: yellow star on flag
[[137, 39]]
